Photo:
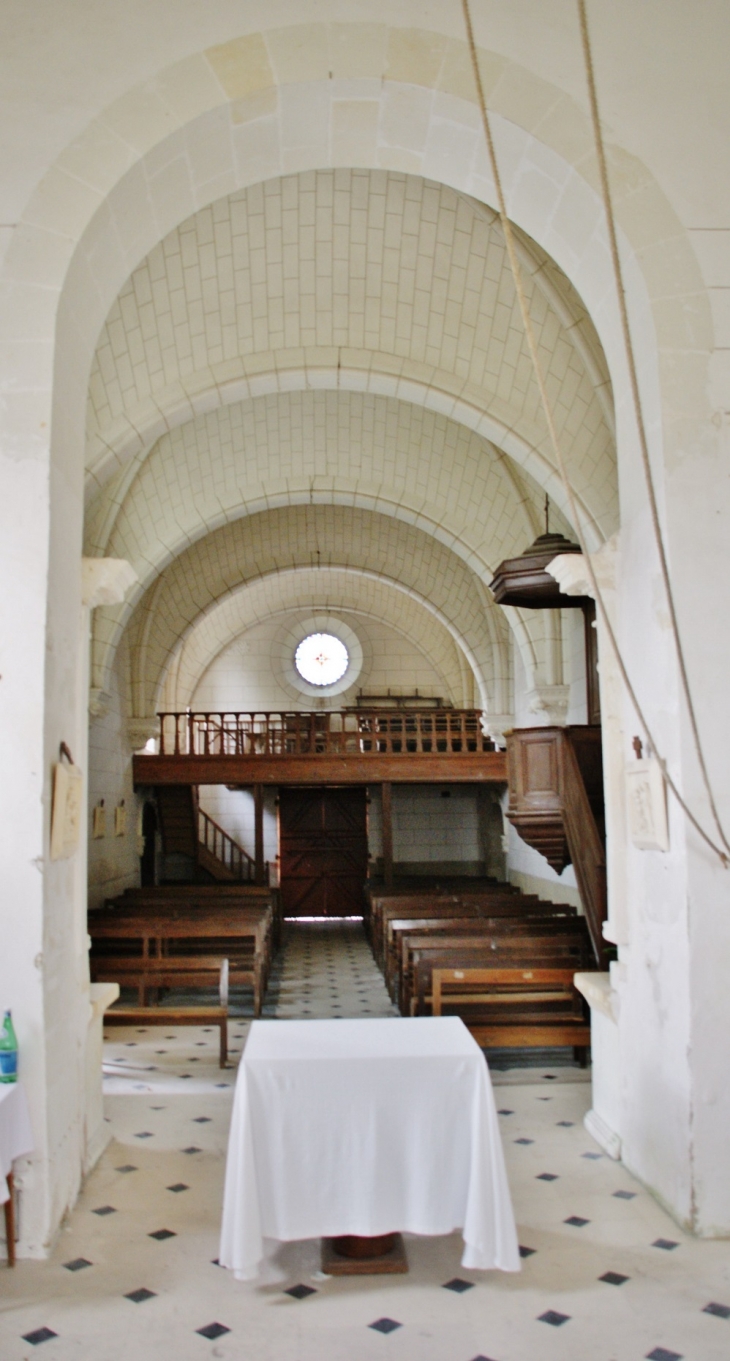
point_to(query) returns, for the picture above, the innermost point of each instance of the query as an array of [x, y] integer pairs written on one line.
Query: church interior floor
[[606, 1274]]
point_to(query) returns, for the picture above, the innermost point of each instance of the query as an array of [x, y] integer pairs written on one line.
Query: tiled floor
[[607, 1276]]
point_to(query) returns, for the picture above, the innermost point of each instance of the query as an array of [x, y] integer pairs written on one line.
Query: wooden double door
[[323, 851]]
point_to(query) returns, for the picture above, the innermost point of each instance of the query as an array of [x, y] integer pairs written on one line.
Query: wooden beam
[[258, 806], [489, 767], [387, 793]]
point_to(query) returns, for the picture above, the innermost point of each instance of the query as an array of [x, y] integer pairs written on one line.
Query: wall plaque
[[647, 805]]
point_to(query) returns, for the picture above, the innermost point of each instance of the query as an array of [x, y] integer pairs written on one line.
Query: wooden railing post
[[258, 805], [387, 802], [396, 731]]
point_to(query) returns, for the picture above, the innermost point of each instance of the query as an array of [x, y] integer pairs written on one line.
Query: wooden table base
[[10, 1222], [351, 1255]]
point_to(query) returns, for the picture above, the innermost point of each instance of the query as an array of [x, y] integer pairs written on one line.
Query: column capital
[[105, 581]]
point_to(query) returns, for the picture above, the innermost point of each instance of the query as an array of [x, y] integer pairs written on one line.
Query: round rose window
[[321, 659]]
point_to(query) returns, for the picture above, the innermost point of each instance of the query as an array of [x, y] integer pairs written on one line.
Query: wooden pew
[[411, 904], [201, 972], [465, 915], [253, 921], [504, 924], [134, 938], [427, 886], [247, 896], [423, 954], [515, 1007], [251, 924]]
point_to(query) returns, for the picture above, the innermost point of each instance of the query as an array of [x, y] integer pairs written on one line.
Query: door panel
[[323, 849]]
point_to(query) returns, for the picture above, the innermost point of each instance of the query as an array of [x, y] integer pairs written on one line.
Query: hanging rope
[[557, 449], [638, 409]]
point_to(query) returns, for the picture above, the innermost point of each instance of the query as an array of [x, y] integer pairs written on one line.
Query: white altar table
[[365, 1127]]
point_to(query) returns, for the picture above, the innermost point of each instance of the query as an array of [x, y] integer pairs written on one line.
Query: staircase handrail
[[587, 851], [231, 854]]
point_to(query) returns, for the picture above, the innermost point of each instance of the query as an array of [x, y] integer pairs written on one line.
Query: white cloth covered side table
[[16, 1139], [365, 1127], [16, 1136]]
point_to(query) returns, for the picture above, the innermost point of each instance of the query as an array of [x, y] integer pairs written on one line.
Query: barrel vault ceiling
[[328, 371]]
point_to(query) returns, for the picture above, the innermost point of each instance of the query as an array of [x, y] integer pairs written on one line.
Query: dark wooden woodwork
[[504, 922], [423, 954], [343, 732], [556, 804], [351, 1256], [148, 858], [525, 953], [514, 1008], [10, 1219], [176, 806], [151, 944], [258, 803], [387, 830], [489, 767], [593, 689], [242, 896], [425, 897], [187, 830], [363, 1249], [524, 581], [323, 851], [221, 856]]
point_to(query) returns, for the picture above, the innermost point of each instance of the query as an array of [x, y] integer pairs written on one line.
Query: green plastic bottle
[[8, 1051]]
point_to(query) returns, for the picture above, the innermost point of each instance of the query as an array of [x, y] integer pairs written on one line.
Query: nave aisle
[[133, 1275]]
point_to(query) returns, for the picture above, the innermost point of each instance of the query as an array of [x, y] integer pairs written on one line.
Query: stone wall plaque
[[66, 810], [647, 805]]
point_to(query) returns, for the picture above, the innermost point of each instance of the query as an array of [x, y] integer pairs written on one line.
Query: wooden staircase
[[556, 804], [188, 831]]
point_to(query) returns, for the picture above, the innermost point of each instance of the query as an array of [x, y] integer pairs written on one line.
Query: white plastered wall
[[325, 588], [248, 674], [113, 859]]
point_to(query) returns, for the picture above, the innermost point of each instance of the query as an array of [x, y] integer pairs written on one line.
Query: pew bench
[[127, 940], [222, 916], [173, 971], [423, 904], [460, 921], [523, 1008], [244, 897], [502, 899], [162, 976], [424, 955]]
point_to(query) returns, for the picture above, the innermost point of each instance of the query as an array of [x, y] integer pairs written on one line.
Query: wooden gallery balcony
[[374, 746]]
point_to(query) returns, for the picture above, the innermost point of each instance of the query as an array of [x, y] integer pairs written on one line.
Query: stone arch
[[371, 545], [402, 277], [209, 128], [323, 588], [426, 471], [149, 161]]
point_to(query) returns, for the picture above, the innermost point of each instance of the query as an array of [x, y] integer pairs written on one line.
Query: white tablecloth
[[365, 1127], [16, 1136]]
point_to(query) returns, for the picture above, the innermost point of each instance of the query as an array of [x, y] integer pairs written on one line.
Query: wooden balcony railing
[[224, 849], [373, 732]]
